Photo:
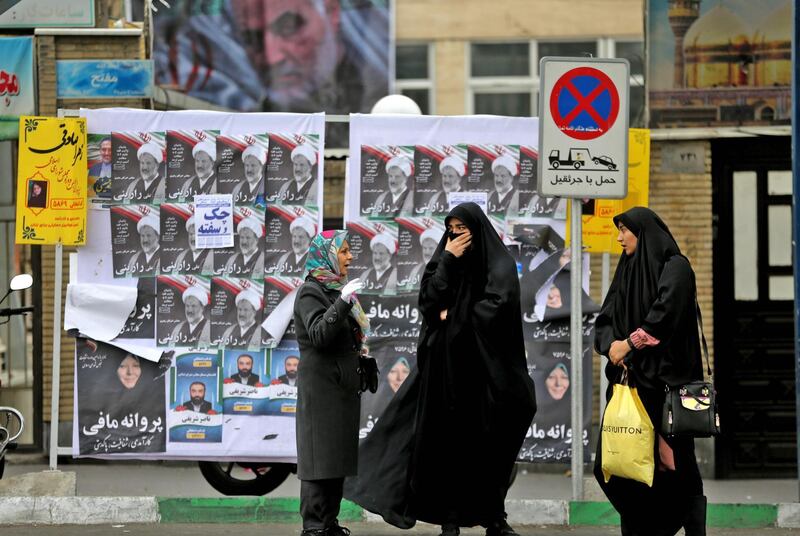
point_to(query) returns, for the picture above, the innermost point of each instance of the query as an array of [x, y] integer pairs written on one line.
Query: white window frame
[[420, 83]]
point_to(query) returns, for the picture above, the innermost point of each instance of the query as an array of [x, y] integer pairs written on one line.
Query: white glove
[[350, 289]]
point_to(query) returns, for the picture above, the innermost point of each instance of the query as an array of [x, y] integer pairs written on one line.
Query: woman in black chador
[[444, 449], [648, 324]]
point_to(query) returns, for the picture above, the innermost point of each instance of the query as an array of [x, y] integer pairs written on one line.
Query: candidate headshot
[[505, 197], [245, 333], [37, 194], [102, 169], [195, 330], [147, 260], [244, 375], [193, 260], [129, 371], [197, 398], [293, 262], [150, 184], [249, 260], [452, 169], [428, 241], [246, 192], [302, 189], [289, 377], [557, 382], [204, 180], [397, 199], [398, 374], [381, 277]]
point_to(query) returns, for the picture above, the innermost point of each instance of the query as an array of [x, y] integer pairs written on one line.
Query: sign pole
[[576, 349], [56, 381], [796, 216], [604, 284]]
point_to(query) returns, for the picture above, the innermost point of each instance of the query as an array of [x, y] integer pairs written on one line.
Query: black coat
[[328, 401]]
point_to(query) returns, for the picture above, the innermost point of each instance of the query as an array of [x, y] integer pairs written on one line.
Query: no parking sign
[[583, 127]]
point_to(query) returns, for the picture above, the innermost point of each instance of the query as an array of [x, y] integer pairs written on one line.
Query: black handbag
[[690, 410], [368, 371]]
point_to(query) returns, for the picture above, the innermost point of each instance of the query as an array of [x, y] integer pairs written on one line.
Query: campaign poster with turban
[[241, 160], [195, 414], [289, 234], [135, 240], [417, 241], [494, 169], [236, 312], [292, 170], [246, 257], [438, 170], [246, 382], [121, 406], [374, 247], [279, 296], [191, 163], [183, 311], [138, 170], [386, 181], [141, 324], [395, 359], [284, 370], [290, 56]]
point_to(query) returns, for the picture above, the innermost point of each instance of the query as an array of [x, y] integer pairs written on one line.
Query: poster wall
[[17, 88], [181, 213]]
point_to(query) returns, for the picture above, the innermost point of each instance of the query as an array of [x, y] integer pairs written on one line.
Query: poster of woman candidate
[[195, 414], [121, 401], [245, 383], [438, 171], [236, 312], [191, 163], [395, 358], [183, 311], [292, 170], [138, 170], [241, 163], [289, 234], [246, 257], [386, 181], [135, 240]]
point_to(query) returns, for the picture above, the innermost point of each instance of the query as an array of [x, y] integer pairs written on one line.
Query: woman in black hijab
[[648, 324], [444, 449]]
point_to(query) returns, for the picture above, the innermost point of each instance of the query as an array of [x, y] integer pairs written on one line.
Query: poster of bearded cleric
[[246, 257], [438, 170], [494, 169], [121, 401], [183, 311], [179, 251], [135, 240], [291, 56], [138, 168], [289, 234], [236, 312], [531, 204], [195, 414], [279, 293], [245, 383], [417, 240], [292, 170], [191, 163], [241, 162], [387, 181], [374, 248]]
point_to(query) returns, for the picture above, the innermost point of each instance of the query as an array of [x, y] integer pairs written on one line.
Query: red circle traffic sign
[[584, 103]]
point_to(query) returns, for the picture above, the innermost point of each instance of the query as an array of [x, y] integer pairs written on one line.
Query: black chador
[[444, 449]]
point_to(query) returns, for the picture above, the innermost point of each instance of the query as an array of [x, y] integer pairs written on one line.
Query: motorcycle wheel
[[240, 478]]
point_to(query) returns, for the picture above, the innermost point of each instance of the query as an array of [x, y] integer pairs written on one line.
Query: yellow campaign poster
[[599, 233], [51, 181]]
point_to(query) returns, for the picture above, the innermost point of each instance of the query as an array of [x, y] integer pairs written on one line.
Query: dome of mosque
[[718, 25]]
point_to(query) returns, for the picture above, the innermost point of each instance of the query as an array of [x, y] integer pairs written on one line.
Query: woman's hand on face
[[443, 315], [618, 351], [458, 246]]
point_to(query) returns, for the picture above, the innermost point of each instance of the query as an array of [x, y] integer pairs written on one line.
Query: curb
[[110, 510]]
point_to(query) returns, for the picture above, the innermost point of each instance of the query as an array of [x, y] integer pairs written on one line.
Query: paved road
[[358, 530]]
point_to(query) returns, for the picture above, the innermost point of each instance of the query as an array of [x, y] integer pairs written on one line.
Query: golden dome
[[717, 26], [777, 26]]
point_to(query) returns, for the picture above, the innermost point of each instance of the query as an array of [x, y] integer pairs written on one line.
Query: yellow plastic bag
[[628, 437]]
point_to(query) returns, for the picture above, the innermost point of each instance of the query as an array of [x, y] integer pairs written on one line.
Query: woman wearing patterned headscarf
[[331, 331]]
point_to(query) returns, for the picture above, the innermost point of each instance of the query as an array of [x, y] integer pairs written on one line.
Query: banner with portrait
[[222, 325]]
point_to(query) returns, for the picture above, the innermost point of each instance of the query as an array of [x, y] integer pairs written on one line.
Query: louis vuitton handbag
[[690, 410]]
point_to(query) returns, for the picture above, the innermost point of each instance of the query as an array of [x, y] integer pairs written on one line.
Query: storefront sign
[[112, 79]]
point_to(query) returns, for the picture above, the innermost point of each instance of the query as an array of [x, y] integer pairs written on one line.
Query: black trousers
[[320, 501]]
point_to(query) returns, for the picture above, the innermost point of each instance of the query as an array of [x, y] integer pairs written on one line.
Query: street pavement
[[370, 529]]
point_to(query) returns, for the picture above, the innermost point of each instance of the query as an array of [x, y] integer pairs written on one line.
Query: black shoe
[[315, 532], [500, 528], [450, 530], [338, 530]]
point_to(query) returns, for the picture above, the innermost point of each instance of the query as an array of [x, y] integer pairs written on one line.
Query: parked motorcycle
[[11, 420]]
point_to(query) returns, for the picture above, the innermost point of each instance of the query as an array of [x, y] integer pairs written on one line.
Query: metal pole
[[796, 217], [55, 384], [604, 284], [576, 349]]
